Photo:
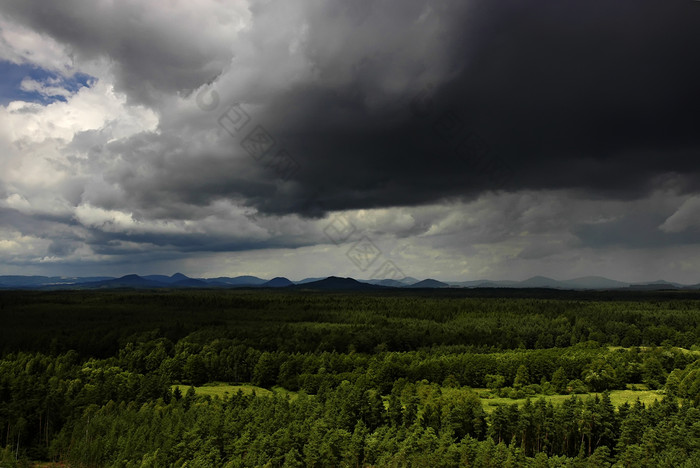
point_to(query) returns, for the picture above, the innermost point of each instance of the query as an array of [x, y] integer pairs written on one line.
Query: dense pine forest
[[229, 378]]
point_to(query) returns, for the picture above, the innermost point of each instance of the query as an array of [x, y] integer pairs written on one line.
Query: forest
[[244, 378]]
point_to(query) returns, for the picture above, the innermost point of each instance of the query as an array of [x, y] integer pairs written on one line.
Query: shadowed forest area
[[401, 378]]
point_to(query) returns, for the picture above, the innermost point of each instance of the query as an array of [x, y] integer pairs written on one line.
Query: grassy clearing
[[620, 397], [647, 348], [617, 398], [220, 390]]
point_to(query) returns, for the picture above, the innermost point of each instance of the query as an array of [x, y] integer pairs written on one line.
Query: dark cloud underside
[[596, 96], [413, 102]]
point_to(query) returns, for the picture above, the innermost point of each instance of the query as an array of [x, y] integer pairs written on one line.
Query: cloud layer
[[468, 138]]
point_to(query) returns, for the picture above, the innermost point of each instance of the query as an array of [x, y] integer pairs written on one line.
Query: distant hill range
[[331, 283], [586, 282]]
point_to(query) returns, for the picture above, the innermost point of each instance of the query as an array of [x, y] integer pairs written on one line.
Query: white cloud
[[20, 45], [39, 168], [45, 88], [17, 246], [91, 108]]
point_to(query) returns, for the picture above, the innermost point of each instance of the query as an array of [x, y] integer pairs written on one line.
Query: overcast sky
[[456, 140]]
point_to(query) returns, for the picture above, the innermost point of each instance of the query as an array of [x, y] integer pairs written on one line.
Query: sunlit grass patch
[[221, 390], [617, 398]]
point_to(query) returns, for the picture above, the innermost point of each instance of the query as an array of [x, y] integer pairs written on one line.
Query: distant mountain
[[177, 277], [484, 284], [279, 282], [128, 281], [655, 286], [159, 278], [141, 282], [390, 283], [586, 282], [179, 280], [500, 284], [408, 280], [594, 282], [540, 282], [310, 280], [429, 283], [191, 283], [667, 283], [333, 283], [237, 281]]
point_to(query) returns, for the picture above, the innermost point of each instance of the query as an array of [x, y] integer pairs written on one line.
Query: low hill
[[309, 280], [389, 283], [594, 282], [333, 283], [659, 285], [191, 283], [429, 283], [245, 280], [128, 281], [279, 282], [540, 282]]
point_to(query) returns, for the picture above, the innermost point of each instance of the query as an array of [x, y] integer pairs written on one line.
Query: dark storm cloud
[[404, 102], [111, 243], [596, 96]]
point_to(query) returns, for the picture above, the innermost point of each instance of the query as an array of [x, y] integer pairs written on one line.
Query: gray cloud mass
[[440, 112]]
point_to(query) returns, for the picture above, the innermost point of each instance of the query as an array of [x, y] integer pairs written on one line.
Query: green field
[[489, 402], [221, 390], [694, 351], [617, 398]]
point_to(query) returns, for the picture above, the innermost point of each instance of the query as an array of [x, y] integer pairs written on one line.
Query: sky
[[452, 139]]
